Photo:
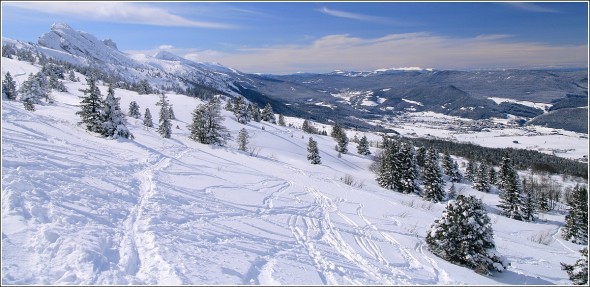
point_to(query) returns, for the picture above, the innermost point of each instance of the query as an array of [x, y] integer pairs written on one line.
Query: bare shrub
[[543, 237]]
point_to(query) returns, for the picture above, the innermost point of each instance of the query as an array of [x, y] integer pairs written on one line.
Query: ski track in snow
[[80, 209]]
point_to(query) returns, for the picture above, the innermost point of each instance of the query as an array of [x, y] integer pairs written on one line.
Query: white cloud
[[121, 12], [399, 50], [355, 16], [531, 7]]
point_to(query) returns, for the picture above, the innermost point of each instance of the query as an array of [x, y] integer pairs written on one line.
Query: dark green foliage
[[254, 112], [578, 272], [432, 175], [421, 156], [492, 177], [480, 180], [471, 170], [207, 127], [92, 107], [455, 174], [576, 221], [363, 146], [387, 173], [267, 114], [28, 104], [407, 170], [464, 235], [522, 159], [511, 197], [313, 154]]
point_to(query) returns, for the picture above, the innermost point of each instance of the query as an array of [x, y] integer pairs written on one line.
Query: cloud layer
[[345, 52], [120, 12]]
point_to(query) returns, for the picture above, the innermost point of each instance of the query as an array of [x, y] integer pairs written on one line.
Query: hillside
[[571, 119], [81, 209]]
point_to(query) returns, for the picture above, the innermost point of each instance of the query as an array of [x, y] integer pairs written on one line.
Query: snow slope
[[81, 209]]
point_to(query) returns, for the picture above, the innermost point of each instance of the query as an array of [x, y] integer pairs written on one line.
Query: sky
[[290, 37]]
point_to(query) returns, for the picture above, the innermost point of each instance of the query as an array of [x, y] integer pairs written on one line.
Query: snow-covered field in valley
[[81, 209]]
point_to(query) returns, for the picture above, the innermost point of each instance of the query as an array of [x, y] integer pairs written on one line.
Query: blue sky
[[292, 37]]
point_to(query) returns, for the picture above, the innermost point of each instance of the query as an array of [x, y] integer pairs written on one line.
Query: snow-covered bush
[[464, 235]]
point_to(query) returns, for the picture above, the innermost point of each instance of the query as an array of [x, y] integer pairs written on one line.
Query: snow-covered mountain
[[81, 209], [163, 70]]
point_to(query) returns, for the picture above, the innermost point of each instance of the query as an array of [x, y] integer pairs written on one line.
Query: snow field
[[81, 209]]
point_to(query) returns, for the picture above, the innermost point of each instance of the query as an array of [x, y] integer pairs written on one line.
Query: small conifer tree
[[363, 146], [576, 220], [433, 180], [147, 118], [9, 87], [578, 272], [134, 110], [313, 155], [243, 139]]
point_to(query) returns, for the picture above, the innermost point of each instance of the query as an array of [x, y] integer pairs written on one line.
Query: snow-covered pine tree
[[455, 173], [421, 156], [207, 127], [72, 76], [9, 87], [171, 113], [407, 170], [363, 146], [578, 272], [243, 139], [305, 126], [134, 110], [505, 171], [240, 110], [543, 202], [529, 208], [267, 114], [388, 175], [492, 177], [313, 154], [254, 112], [576, 220], [433, 179], [480, 180], [281, 120], [511, 191], [91, 107], [342, 146], [471, 170], [229, 107], [165, 126], [337, 132], [114, 123], [447, 163], [147, 118], [452, 193], [464, 235], [34, 89]]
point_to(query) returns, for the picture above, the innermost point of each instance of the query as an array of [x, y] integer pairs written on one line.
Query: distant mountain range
[[348, 97]]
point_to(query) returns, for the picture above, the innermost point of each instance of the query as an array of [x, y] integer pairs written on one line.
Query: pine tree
[[492, 177], [72, 76], [91, 107], [207, 127], [388, 175], [228, 106], [447, 163], [243, 139], [281, 120], [342, 146], [363, 146], [313, 155], [337, 132], [305, 127], [34, 89], [543, 202], [165, 126], [254, 112], [147, 118], [455, 173], [9, 87], [114, 124], [240, 110], [576, 221], [471, 170], [578, 272], [407, 170], [421, 156], [452, 193], [480, 180], [511, 193], [529, 208], [134, 110], [433, 180], [28, 104], [267, 114], [464, 235], [171, 113]]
